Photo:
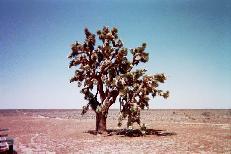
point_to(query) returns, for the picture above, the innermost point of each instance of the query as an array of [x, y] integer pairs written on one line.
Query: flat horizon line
[[115, 109]]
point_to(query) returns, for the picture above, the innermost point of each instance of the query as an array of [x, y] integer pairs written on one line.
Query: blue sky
[[189, 40]]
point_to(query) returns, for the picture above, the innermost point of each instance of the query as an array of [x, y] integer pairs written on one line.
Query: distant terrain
[[66, 131]]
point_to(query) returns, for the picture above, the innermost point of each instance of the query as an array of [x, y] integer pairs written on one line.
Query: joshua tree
[[107, 70]]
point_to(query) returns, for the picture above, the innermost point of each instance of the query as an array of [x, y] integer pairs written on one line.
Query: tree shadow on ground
[[8, 152], [134, 132]]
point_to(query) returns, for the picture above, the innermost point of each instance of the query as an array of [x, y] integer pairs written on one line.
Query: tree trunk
[[101, 123]]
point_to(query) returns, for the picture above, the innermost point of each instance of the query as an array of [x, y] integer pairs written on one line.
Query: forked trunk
[[101, 123]]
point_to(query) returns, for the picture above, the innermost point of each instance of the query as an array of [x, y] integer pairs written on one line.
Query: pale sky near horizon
[[188, 40]]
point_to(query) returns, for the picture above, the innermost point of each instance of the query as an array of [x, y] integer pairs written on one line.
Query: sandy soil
[[66, 131]]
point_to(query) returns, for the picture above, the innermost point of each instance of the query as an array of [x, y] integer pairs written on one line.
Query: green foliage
[[107, 68]]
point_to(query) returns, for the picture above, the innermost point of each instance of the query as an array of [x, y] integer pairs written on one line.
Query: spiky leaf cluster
[[135, 92]]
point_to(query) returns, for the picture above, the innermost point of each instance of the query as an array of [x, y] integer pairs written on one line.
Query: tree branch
[[100, 87]]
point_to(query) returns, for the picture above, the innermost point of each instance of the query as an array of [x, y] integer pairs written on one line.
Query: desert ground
[[66, 131]]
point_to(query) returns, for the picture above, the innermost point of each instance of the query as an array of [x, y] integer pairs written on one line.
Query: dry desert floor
[[66, 131]]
